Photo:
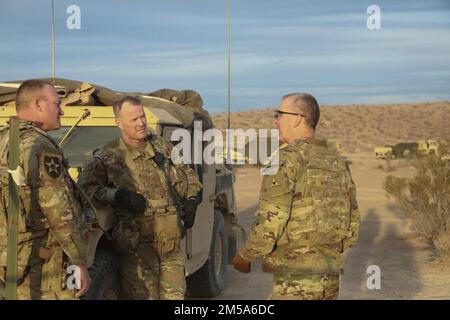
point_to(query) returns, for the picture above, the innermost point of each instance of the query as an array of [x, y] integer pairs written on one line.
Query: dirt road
[[408, 267]]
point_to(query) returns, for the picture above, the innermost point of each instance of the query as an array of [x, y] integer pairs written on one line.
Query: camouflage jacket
[[308, 213], [117, 165], [49, 216]]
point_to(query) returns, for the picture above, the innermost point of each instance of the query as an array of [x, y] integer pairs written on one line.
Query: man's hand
[[189, 211], [241, 265], [85, 281], [132, 200]]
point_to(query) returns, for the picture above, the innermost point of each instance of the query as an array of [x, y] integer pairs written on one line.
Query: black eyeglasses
[[278, 113]]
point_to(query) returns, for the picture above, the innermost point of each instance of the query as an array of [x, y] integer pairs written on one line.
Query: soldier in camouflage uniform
[[134, 175], [50, 230], [308, 213]]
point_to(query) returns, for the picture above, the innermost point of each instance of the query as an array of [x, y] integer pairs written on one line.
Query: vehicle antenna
[[229, 77], [53, 42]]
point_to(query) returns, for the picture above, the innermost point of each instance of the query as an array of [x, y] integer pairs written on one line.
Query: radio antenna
[[53, 42]]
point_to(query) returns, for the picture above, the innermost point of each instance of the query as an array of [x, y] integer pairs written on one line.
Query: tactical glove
[[132, 200], [241, 265], [189, 211]]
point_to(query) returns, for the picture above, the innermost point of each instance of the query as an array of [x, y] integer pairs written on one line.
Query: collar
[[26, 124], [149, 151], [311, 140]]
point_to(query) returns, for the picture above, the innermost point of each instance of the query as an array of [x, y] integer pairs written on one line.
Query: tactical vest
[[320, 214], [159, 225]]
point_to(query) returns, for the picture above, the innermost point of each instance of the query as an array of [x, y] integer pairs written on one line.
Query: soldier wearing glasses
[[308, 214]]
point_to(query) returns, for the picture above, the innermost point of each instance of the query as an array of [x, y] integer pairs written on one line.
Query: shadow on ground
[[381, 245]]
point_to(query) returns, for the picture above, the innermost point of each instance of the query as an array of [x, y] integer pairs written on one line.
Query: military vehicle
[[398, 151], [88, 123], [408, 149], [404, 150], [383, 152], [428, 147]]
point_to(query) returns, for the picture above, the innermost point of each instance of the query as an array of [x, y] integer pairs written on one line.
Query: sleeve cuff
[[244, 255], [109, 195]]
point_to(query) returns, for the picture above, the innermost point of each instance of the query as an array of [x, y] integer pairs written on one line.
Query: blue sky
[[278, 47]]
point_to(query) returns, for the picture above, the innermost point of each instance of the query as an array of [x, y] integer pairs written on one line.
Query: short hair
[[135, 101], [307, 105], [29, 90]]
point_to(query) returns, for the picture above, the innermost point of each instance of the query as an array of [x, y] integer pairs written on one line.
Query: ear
[[298, 121], [36, 104], [119, 123]]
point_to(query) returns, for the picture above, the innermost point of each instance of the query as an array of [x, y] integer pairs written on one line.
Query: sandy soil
[[409, 269]]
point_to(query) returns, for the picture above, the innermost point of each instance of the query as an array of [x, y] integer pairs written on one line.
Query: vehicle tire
[[209, 280], [105, 278]]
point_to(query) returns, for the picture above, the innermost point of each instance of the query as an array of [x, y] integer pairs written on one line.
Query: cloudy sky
[[316, 46]]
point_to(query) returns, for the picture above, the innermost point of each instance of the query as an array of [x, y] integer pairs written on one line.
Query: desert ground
[[409, 267], [359, 128]]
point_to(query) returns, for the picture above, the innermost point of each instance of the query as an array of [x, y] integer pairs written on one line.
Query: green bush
[[425, 198]]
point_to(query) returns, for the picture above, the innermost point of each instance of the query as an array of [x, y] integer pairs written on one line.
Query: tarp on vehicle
[[77, 93]]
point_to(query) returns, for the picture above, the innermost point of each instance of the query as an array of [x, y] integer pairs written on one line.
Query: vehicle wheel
[[209, 280], [105, 278]]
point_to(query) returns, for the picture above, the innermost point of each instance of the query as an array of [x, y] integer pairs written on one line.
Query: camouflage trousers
[[305, 287], [162, 279], [30, 288]]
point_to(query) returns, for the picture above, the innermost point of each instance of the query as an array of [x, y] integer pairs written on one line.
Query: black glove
[[189, 210], [132, 200]]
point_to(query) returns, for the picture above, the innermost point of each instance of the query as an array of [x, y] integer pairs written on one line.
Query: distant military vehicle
[[398, 151], [404, 150], [428, 147], [383, 152], [408, 149], [88, 123]]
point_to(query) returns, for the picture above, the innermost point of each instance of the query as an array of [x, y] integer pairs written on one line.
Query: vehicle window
[[83, 141]]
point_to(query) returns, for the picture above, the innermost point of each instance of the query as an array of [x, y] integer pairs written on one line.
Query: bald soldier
[[153, 201], [308, 213], [50, 231]]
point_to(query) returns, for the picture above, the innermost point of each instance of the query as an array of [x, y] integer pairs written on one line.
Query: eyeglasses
[[277, 114]]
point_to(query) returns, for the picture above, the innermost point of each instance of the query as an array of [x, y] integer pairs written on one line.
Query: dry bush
[[425, 198]]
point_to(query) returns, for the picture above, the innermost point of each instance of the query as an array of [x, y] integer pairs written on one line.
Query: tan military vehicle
[[428, 147], [383, 152], [88, 123]]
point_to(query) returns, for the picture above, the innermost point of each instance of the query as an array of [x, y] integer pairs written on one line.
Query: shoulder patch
[[51, 165]]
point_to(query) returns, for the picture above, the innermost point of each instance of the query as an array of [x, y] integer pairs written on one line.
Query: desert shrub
[[425, 199]]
